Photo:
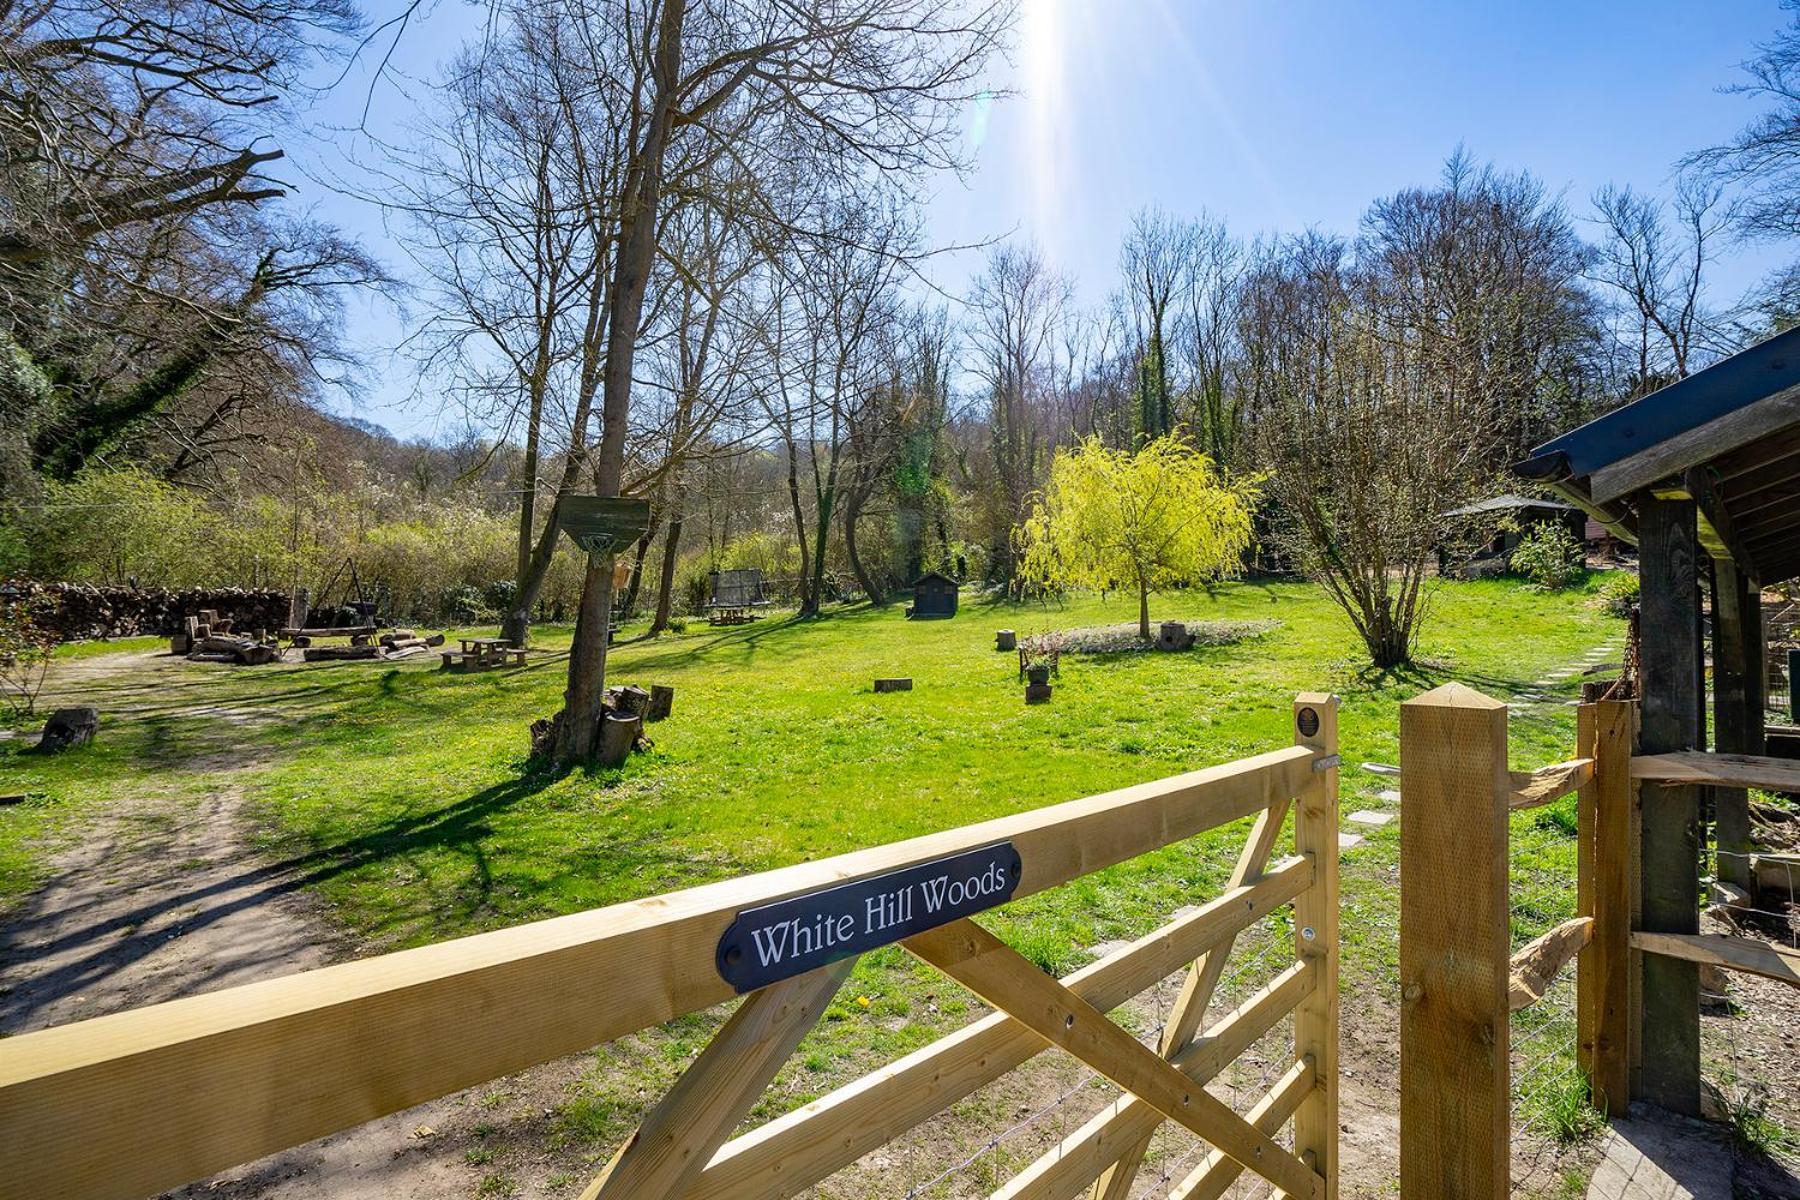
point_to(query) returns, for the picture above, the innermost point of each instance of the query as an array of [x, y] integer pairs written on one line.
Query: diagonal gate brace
[[1006, 979]]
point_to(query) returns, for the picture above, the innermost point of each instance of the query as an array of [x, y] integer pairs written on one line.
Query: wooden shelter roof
[[1728, 436]]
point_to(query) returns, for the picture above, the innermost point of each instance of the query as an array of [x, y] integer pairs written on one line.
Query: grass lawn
[[405, 794]]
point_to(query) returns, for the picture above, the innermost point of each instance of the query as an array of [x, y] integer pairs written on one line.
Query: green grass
[[403, 797]]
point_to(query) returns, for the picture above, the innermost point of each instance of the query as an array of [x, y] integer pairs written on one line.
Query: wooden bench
[[480, 654]]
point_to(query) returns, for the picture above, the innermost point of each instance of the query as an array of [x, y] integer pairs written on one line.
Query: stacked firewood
[[209, 637], [73, 611]]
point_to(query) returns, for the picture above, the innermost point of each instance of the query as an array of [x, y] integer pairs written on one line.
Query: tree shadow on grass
[[115, 942]]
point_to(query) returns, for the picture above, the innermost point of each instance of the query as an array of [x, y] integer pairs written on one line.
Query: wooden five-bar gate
[[127, 1105]]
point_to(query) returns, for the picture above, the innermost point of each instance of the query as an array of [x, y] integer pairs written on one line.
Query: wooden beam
[[1721, 950], [678, 1137], [1698, 767], [1455, 947], [1606, 856], [1536, 964], [1668, 1027], [1546, 785], [1006, 979], [1690, 448], [132, 1104], [1717, 530], [1216, 1172], [1079, 1159], [1315, 726], [799, 1149]]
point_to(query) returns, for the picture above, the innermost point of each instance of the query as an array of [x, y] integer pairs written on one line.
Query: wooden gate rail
[[1460, 979], [141, 1101]]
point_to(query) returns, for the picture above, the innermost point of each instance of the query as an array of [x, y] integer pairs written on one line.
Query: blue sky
[[1276, 115]]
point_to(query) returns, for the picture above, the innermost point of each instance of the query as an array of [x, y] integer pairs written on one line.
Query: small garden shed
[[934, 595]]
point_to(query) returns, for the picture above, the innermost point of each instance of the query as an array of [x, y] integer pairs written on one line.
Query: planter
[[1038, 674]]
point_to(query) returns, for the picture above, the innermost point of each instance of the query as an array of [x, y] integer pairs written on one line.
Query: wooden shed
[[934, 595]]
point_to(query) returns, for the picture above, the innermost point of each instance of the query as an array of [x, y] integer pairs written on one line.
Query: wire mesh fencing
[[1749, 1044]]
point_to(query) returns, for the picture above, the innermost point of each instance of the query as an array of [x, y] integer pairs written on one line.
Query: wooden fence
[[1460, 978], [130, 1104]]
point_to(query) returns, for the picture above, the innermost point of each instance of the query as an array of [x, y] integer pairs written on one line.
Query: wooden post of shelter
[[1605, 858], [1455, 947], [1668, 1029], [1737, 707]]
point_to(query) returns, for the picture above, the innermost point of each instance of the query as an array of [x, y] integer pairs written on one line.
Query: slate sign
[[791, 937]]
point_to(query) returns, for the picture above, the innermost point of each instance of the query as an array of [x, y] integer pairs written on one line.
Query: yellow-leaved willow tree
[[1152, 517]]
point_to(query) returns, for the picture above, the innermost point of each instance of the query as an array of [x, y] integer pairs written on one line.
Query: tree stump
[[68, 728], [1173, 635], [1006, 639], [893, 685], [618, 734], [662, 702], [1037, 693]]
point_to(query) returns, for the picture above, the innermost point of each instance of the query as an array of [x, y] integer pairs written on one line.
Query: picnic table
[[478, 654]]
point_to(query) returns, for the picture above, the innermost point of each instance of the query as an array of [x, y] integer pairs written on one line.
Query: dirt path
[[158, 902], [165, 898]]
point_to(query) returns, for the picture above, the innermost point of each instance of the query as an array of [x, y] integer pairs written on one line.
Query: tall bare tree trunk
[[665, 599], [578, 732]]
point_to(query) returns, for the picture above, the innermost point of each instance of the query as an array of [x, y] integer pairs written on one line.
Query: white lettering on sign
[[797, 935]]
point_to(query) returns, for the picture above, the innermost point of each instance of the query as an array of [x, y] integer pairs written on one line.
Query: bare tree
[[1659, 275], [1016, 309], [842, 89], [1366, 431], [1155, 261]]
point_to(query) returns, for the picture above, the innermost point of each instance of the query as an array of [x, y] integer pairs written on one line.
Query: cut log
[[893, 685], [1006, 639], [633, 700], [1037, 693], [180, 644], [397, 635], [618, 734], [346, 631], [662, 702], [339, 653]]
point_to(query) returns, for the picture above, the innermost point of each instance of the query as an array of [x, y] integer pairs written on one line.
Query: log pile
[[74, 611], [209, 637]]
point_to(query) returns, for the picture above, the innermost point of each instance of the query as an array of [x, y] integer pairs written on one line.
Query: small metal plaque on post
[[603, 524], [790, 937]]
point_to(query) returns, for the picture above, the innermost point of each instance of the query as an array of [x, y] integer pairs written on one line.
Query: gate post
[[1455, 947], [1606, 851], [1316, 911]]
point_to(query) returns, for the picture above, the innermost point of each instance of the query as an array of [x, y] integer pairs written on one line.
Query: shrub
[[1619, 593], [1549, 556], [25, 651], [677, 624]]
